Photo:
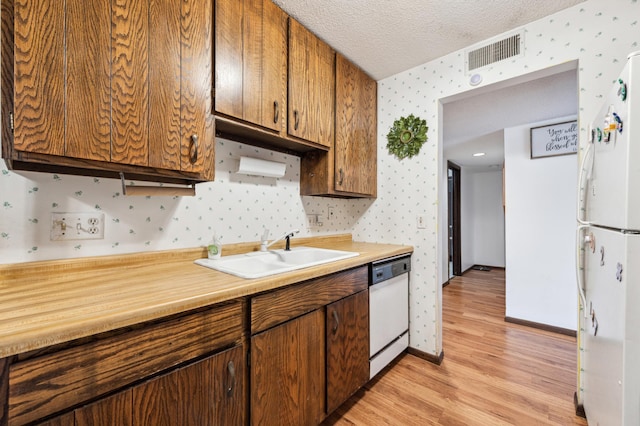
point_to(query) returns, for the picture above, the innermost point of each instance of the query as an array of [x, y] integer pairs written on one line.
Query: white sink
[[259, 264]]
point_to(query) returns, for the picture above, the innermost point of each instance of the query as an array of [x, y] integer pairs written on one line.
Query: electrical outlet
[[422, 222], [331, 212], [314, 220], [77, 226]]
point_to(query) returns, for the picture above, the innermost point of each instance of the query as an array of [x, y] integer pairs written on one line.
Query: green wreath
[[407, 136]]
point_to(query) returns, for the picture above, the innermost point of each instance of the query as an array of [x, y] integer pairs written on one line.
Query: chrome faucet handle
[[264, 240]]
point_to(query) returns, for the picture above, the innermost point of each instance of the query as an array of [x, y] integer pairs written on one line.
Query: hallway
[[493, 373]]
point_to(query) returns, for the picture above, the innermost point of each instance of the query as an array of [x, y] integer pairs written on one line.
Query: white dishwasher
[[388, 311]]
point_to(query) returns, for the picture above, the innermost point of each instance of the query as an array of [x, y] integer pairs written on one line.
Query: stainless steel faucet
[[264, 246]]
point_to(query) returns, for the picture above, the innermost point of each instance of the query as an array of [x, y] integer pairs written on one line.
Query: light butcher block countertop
[[50, 302]]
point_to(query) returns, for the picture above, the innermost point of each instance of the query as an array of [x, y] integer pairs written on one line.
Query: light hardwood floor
[[493, 373]]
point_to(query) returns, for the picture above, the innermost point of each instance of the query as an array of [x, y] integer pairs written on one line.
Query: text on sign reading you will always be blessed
[[562, 139]]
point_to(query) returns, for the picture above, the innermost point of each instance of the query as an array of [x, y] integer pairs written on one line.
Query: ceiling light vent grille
[[491, 53]]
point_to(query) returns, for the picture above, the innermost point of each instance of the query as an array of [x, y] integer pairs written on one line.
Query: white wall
[[482, 218], [467, 219], [540, 237], [488, 230]]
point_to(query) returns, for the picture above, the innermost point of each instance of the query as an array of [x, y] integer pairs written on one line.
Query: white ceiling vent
[[494, 51]]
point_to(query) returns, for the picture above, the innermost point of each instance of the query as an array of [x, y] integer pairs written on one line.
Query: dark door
[[454, 240]]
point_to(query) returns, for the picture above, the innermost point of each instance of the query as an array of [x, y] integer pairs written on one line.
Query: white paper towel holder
[[258, 167]]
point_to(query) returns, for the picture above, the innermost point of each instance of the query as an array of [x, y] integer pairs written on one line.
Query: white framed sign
[[554, 139]]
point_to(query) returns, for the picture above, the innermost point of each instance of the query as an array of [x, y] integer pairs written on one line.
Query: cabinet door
[[208, 392], [229, 61], [196, 103], [124, 82], [355, 144], [288, 372], [251, 61], [39, 73], [265, 64], [164, 84], [229, 387], [347, 331], [311, 86]]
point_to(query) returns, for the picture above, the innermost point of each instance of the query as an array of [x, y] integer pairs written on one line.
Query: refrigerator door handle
[[586, 163], [580, 266]]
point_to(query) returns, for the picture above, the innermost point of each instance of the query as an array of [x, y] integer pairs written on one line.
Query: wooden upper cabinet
[[311, 86], [114, 82], [251, 62], [349, 168], [39, 37], [355, 147]]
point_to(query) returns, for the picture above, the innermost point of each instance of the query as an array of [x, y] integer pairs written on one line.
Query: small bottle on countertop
[[214, 249]]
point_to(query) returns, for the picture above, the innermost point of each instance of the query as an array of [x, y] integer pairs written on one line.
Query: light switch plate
[[421, 222], [77, 226]]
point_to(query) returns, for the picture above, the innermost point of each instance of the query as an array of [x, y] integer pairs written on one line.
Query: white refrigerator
[[609, 256]]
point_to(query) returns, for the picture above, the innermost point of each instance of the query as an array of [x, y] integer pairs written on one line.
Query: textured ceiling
[[385, 37]]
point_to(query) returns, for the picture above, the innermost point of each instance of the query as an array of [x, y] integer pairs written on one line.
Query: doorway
[[454, 240]]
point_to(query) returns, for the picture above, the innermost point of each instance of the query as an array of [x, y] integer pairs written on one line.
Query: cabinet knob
[[296, 119], [193, 149], [232, 378], [341, 179], [276, 112]]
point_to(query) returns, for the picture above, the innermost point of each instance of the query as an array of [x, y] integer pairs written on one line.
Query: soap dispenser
[[214, 249]]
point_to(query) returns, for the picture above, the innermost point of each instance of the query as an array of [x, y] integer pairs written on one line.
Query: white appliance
[[609, 256], [388, 311]]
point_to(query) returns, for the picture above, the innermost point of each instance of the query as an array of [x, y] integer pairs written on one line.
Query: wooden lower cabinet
[[208, 392], [288, 372], [347, 340], [309, 348]]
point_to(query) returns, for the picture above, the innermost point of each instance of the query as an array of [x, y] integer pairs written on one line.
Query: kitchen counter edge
[[52, 302]]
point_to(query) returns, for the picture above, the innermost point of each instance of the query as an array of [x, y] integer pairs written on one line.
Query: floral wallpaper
[[235, 207], [598, 34]]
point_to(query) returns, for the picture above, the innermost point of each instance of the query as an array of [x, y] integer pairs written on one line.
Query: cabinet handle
[[296, 119], [336, 321], [341, 179], [232, 374], [193, 149], [276, 112]]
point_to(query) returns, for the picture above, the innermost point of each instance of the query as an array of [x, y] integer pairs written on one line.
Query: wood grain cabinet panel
[[283, 304], [110, 86], [39, 75], [349, 169], [311, 86], [67, 419], [113, 410], [309, 348], [251, 62], [347, 340], [209, 392], [287, 373], [51, 383]]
